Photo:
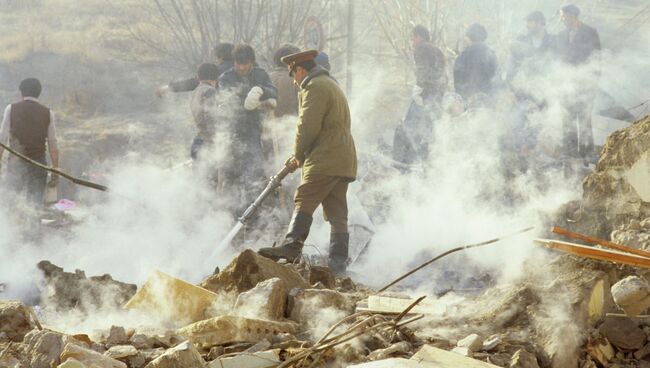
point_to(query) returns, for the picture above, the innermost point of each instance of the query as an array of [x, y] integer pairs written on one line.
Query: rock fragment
[[182, 355], [267, 300], [305, 303], [15, 321], [89, 357], [632, 295], [523, 359], [623, 333]]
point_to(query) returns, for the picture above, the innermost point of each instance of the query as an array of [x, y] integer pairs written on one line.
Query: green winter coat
[[323, 138]]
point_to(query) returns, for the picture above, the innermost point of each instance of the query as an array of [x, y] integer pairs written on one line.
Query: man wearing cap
[[248, 91], [531, 47], [324, 149], [577, 45], [476, 66]]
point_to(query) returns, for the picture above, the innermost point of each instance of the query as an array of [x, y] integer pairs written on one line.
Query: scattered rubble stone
[[89, 357], [226, 329], [472, 342], [15, 321], [121, 351], [323, 275], [72, 363], [623, 333], [117, 336], [632, 295], [182, 355], [248, 269], [523, 359], [305, 303], [141, 341], [68, 290], [267, 300], [44, 347], [491, 343], [601, 351], [260, 359], [400, 348]]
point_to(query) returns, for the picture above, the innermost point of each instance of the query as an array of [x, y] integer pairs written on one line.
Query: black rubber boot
[[291, 248], [339, 252]]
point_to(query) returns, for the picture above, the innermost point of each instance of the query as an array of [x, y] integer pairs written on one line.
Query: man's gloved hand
[[252, 100], [270, 103], [293, 163], [162, 91], [416, 95], [54, 180]]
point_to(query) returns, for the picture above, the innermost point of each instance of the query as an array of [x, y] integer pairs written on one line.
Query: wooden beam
[[603, 242], [596, 253]]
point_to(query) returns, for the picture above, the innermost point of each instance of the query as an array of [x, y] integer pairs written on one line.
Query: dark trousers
[[27, 180]]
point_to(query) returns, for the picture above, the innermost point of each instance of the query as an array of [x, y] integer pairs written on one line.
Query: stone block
[[89, 357], [182, 355], [267, 300], [15, 321]]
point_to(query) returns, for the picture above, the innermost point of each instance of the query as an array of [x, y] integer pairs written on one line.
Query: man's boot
[[291, 248], [339, 252]]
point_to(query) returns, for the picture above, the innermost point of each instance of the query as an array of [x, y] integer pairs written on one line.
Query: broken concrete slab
[[45, 347], [67, 290], [632, 295], [304, 304], [89, 357], [523, 359], [267, 300], [182, 355], [226, 329], [445, 359], [472, 342], [15, 320], [623, 333], [394, 305], [261, 359], [248, 269], [72, 363], [141, 341], [491, 343], [172, 298], [116, 336]]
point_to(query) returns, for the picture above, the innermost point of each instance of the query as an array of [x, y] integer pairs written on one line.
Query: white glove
[[252, 100], [416, 95]]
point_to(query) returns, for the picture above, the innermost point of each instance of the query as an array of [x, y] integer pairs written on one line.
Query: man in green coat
[[325, 151]]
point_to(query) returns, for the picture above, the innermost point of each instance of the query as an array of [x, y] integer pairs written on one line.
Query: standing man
[[579, 44], [204, 111], [412, 137], [248, 92], [222, 54], [476, 66], [287, 91], [28, 128], [531, 47], [325, 151]]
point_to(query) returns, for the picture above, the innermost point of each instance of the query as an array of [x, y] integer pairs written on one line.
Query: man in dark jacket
[[579, 44], [222, 54], [325, 150], [28, 127], [476, 66], [531, 47], [411, 139], [247, 91]]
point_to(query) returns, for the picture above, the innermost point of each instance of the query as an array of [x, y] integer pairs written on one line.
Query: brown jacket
[[287, 100], [323, 137]]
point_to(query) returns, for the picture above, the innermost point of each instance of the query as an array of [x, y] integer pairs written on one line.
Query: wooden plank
[[603, 242], [596, 253]]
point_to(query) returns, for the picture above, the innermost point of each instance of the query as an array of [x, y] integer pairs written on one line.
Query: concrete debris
[[141, 341], [395, 363], [172, 299], [601, 351], [227, 329], [262, 359], [395, 304], [472, 342], [121, 351], [632, 295], [623, 333], [72, 363], [491, 343], [323, 275], [249, 269], [117, 336], [267, 300], [305, 303], [89, 357], [182, 355], [523, 359], [400, 348], [462, 350], [15, 320], [45, 347], [444, 359], [66, 290]]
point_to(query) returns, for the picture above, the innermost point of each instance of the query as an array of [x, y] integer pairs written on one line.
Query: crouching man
[[324, 149]]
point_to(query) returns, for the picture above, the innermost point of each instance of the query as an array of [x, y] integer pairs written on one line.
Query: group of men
[[476, 81]]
